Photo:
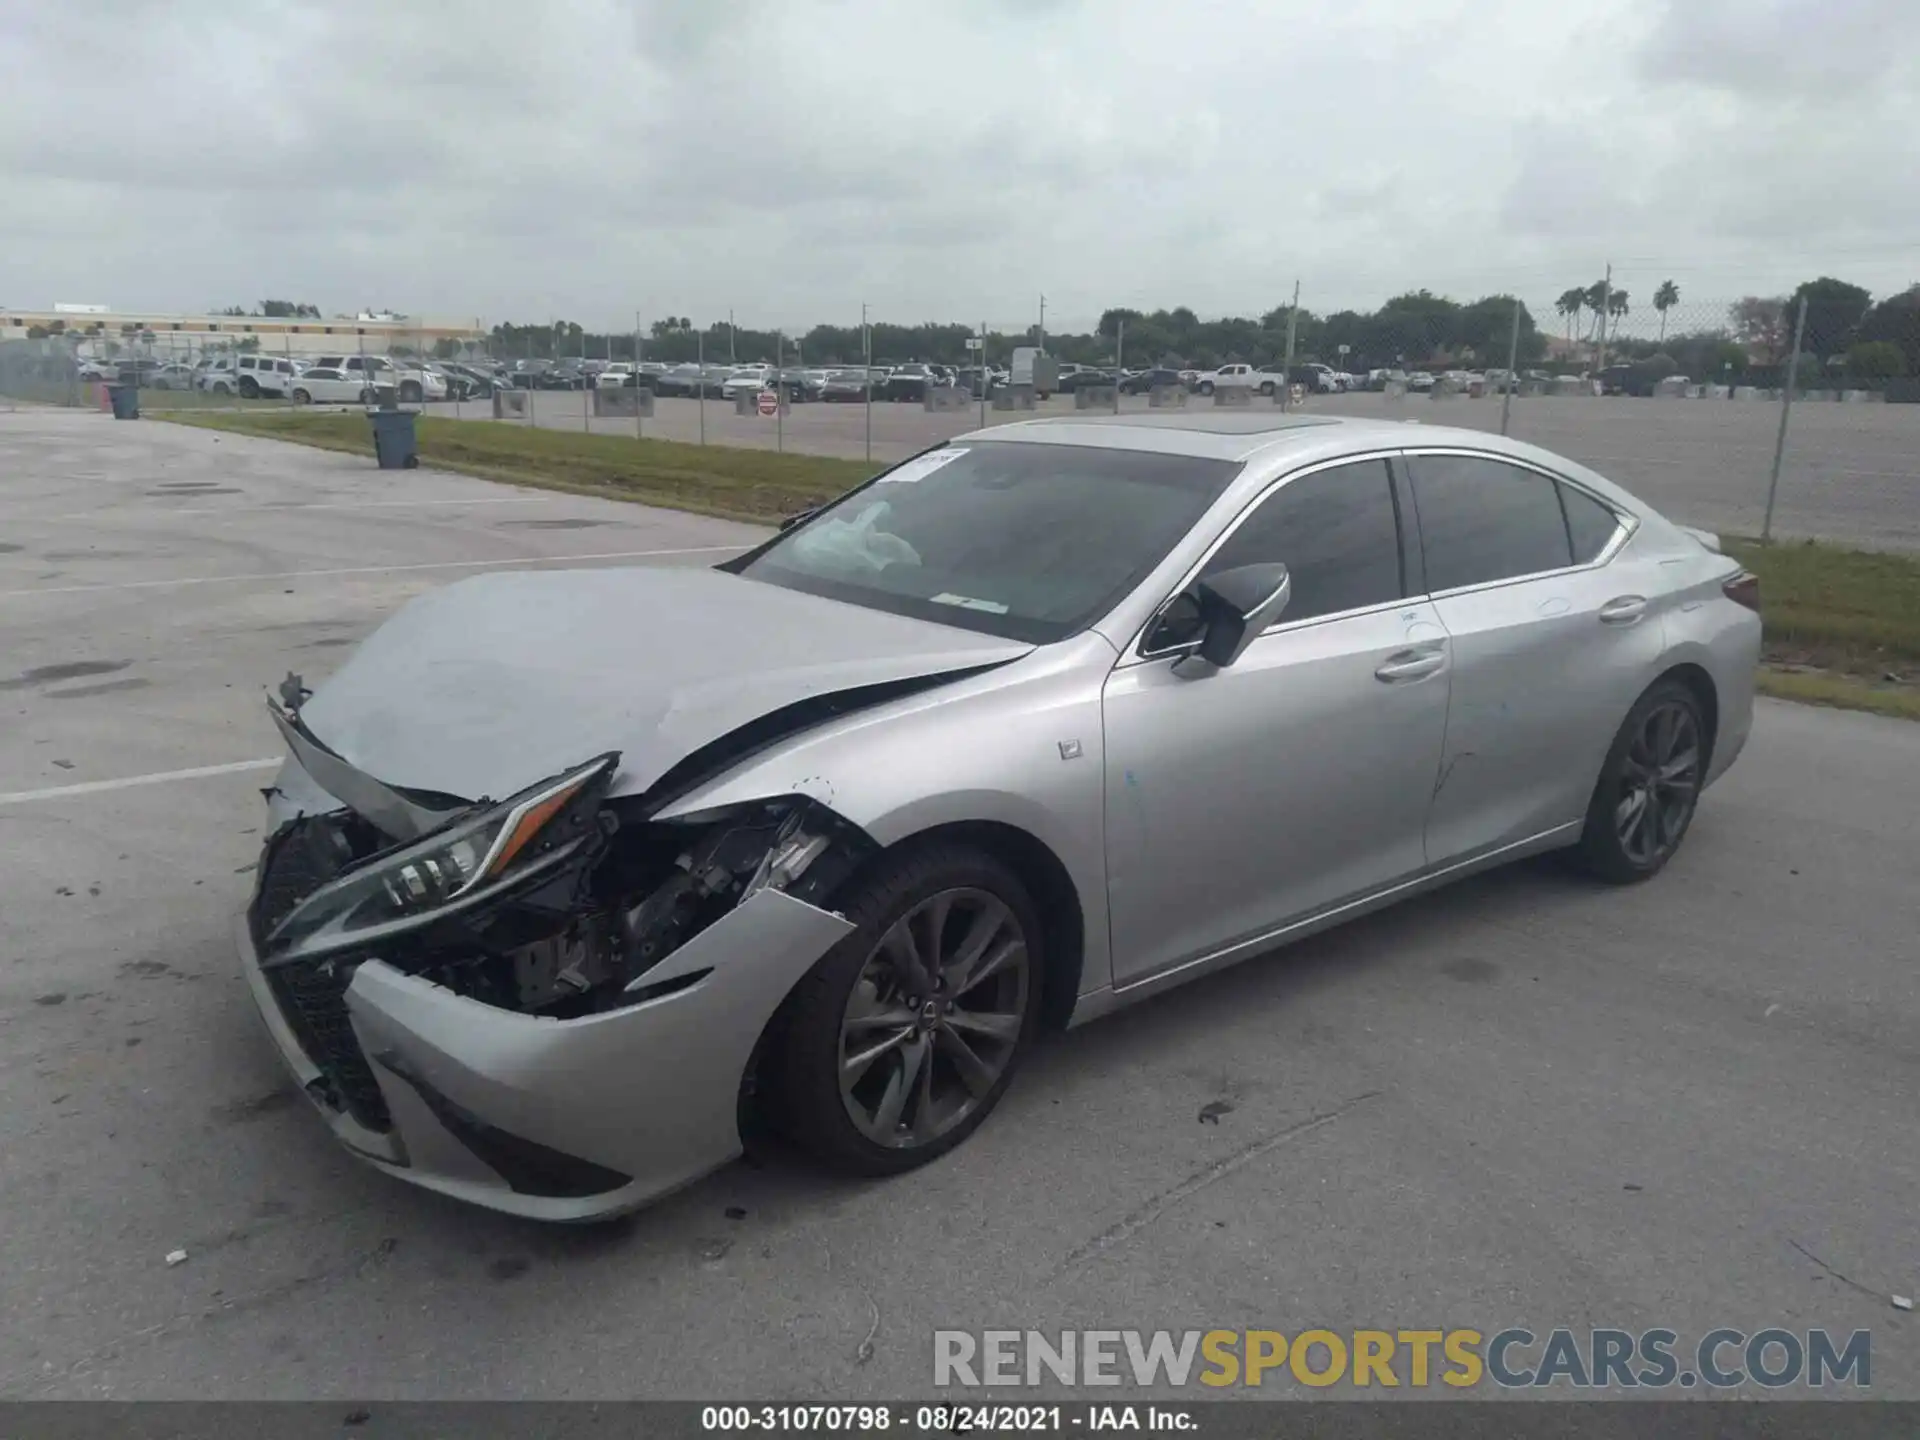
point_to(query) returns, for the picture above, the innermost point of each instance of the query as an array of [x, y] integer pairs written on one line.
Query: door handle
[[1410, 665], [1623, 610]]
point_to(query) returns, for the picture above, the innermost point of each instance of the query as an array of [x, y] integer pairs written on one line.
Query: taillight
[[1744, 589]]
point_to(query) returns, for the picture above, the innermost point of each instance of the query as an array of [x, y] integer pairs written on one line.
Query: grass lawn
[[708, 479], [1838, 622]]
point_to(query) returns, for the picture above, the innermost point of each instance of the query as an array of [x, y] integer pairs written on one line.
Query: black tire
[[367, 397], [410, 392], [1623, 843], [1267, 389], [249, 388], [1206, 387], [302, 397], [801, 1077], [222, 388]]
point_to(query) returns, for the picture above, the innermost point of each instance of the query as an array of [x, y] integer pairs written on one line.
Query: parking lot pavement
[[1851, 473], [1521, 1101]]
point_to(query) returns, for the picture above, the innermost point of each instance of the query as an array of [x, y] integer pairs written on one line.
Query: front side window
[[1335, 532], [1482, 520], [1027, 541]]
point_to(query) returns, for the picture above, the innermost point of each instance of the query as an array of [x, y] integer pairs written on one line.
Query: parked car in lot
[[1086, 375], [474, 382], [325, 384], [1315, 378], [174, 375], [1025, 729], [844, 387], [907, 382], [1240, 377], [1419, 381], [747, 379], [411, 383], [1142, 381]]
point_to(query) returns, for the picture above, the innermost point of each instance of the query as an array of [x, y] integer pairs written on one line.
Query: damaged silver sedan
[[577, 877]]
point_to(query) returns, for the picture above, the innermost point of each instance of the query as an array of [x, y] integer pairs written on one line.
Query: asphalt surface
[[1525, 1100], [1849, 473]]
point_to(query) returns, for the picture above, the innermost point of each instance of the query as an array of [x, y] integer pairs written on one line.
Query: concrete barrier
[[630, 402], [1233, 395], [1167, 397], [1395, 390], [1013, 397], [1094, 397], [510, 404], [1746, 392], [1571, 385], [945, 397]]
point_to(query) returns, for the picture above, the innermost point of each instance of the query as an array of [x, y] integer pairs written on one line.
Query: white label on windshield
[[967, 602], [917, 470]]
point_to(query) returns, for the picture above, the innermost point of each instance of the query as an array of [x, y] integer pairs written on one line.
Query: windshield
[[1029, 542]]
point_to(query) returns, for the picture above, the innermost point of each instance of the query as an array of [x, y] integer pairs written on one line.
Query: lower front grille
[[313, 997]]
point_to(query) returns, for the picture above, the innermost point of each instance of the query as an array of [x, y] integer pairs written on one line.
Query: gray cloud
[[594, 157]]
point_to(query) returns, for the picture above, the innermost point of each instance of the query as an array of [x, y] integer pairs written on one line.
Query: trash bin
[[394, 443], [126, 401]]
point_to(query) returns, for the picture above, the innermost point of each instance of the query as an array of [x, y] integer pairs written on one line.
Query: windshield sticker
[[967, 602], [917, 470]]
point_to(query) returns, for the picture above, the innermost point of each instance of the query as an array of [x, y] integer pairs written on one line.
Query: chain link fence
[[1746, 415]]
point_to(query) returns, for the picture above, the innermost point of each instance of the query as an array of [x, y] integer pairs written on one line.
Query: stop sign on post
[[769, 402]]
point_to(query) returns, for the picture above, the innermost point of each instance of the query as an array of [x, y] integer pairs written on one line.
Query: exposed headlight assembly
[[464, 863]]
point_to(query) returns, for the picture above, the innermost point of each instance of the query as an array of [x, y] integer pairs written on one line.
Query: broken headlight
[[464, 863]]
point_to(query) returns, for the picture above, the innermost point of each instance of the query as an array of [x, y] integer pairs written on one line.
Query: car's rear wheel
[[902, 1039], [1266, 388], [1649, 787], [1206, 387], [249, 388]]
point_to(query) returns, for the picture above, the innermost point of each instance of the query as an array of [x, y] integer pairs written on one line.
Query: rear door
[[1554, 634], [1299, 776]]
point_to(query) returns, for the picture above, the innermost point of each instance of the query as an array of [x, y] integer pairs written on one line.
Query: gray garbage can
[[395, 445], [126, 401]]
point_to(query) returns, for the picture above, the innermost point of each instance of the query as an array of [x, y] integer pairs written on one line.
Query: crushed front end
[[545, 1004]]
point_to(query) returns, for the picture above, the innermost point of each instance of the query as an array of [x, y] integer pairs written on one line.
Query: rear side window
[[1335, 532], [1482, 520], [1590, 525]]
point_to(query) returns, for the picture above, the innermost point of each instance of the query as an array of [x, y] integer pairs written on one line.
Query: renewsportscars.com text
[[1514, 1358]]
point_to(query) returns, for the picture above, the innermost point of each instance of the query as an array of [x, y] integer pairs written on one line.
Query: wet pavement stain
[[71, 670], [108, 687]]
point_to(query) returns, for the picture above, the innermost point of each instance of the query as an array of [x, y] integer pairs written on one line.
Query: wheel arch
[[1700, 682]]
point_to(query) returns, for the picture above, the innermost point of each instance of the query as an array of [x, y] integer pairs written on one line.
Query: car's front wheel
[[302, 397], [901, 1040], [410, 392], [1649, 787]]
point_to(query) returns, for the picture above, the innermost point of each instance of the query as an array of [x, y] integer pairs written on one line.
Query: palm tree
[[1617, 307], [1664, 299], [1595, 299], [1570, 304]]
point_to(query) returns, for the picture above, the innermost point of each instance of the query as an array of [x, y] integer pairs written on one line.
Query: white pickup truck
[[1238, 377]]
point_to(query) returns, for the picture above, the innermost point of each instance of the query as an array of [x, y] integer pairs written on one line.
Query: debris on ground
[[1903, 1302], [176, 1257]]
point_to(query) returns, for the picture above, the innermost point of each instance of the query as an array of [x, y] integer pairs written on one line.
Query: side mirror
[[1231, 609]]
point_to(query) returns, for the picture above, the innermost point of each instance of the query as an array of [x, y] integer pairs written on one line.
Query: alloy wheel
[[1659, 783], [934, 1018]]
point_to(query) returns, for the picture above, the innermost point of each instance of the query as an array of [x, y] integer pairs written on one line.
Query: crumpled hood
[[495, 682]]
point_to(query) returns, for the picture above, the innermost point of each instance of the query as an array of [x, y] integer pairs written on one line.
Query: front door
[[1298, 777]]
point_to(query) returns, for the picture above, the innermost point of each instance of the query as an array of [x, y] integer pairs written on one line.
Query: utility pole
[[1286, 370], [866, 352], [1043, 324], [1606, 304], [732, 358], [1786, 405]]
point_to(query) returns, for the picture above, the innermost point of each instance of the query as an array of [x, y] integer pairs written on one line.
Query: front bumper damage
[[567, 1052]]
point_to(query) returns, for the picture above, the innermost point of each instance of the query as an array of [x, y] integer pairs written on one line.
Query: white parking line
[[98, 787], [371, 570], [149, 512]]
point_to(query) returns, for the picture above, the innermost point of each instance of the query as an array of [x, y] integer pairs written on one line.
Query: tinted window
[[1590, 525], [1481, 520], [1032, 542], [1334, 531]]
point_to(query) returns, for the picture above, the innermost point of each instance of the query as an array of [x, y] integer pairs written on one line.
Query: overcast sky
[[792, 158]]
